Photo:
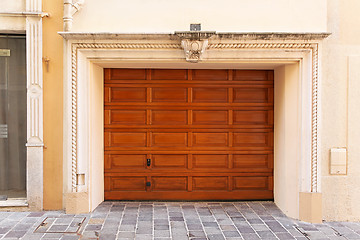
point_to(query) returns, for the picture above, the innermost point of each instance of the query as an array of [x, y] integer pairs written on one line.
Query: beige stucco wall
[[53, 105], [12, 24], [221, 16], [12, 6], [340, 109], [286, 139]]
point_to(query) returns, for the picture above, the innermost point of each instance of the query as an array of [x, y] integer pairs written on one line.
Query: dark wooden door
[[178, 134]]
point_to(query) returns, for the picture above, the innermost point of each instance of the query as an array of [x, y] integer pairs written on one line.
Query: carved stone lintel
[[194, 49]]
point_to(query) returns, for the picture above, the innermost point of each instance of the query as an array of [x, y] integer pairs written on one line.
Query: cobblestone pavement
[[171, 220]]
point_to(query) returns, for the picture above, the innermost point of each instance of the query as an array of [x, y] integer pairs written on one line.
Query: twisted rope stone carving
[[73, 119], [314, 142]]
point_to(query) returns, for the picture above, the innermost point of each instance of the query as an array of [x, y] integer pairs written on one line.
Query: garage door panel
[[251, 160], [127, 139], [250, 75], [126, 74], [126, 94], [252, 139], [168, 139], [251, 117], [201, 117], [107, 94], [251, 95], [128, 183], [206, 139], [169, 183], [172, 117], [169, 160], [205, 75], [210, 161], [210, 95], [166, 74], [121, 161], [258, 183], [209, 183], [169, 94], [129, 117]]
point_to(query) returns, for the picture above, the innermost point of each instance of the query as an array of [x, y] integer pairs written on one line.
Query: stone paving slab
[[172, 220]]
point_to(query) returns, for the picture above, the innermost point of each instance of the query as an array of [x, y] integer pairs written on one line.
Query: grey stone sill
[[14, 202], [306, 36]]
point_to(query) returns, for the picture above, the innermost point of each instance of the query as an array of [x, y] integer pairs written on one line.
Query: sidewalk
[[171, 220]]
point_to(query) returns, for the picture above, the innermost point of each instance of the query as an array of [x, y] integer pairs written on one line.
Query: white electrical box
[[338, 162]]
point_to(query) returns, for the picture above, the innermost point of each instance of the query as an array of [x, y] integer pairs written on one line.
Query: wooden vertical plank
[[107, 116], [230, 183], [270, 161], [148, 74], [230, 74], [190, 94], [148, 95], [230, 95], [231, 161], [271, 117], [271, 95], [190, 117], [271, 183], [190, 138], [270, 75], [107, 94], [148, 179], [190, 161], [148, 138], [231, 140], [107, 184], [148, 156], [107, 139], [231, 117], [190, 184], [190, 74], [148, 117], [107, 74]]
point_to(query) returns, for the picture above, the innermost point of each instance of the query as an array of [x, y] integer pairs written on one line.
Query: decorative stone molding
[[70, 8], [35, 142], [24, 14], [195, 56], [194, 49], [74, 119], [194, 44], [33, 5], [34, 81]]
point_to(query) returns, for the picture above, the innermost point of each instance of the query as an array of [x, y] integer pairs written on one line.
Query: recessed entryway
[[292, 113]]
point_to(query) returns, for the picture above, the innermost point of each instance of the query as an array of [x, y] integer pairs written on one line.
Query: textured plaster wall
[[286, 135], [11, 24], [147, 16], [53, 105], [340, 109], [12, 5]]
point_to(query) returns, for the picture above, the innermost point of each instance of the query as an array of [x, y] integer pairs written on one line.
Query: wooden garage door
[[177, 134]]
